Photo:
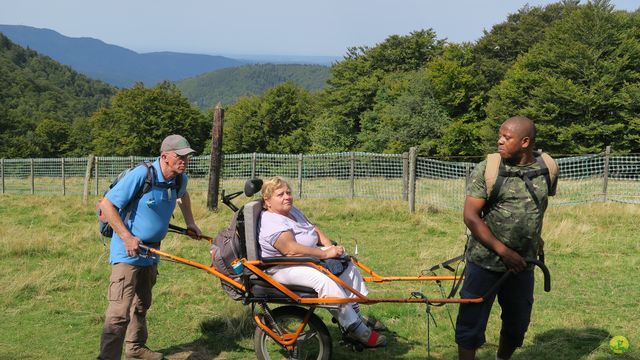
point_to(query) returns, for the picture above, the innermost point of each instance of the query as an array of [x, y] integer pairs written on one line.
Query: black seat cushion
[[262, 289]]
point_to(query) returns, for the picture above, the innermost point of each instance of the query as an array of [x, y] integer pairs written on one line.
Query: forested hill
[[40, 100], [114, 64], [227, 85]]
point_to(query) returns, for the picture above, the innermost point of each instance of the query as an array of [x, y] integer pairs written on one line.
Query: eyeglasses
[[182, 157]]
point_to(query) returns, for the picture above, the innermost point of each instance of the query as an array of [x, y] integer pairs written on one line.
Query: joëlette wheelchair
[[292, 330]]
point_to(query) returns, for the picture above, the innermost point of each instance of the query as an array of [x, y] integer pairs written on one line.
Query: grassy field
[[54, 274]]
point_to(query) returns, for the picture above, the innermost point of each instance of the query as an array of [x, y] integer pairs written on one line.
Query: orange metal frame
[[288, 340]]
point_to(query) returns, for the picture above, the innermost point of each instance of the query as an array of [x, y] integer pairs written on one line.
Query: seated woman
[[284, 230]]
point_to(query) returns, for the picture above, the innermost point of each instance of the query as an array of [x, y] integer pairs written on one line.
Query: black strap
[[526, 176], [150, 182], [146, 187], [445, 264]]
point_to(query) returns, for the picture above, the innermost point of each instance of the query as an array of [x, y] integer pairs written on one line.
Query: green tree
[[580, 83], [139, 118], [497, 50], [52, 137], [39, 100], [276, 122], [405, 114], [354, 82]]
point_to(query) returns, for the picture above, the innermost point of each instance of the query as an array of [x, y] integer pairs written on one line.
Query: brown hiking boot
[[143, 353]]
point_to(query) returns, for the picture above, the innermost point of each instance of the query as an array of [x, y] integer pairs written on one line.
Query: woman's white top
[[272, 225]]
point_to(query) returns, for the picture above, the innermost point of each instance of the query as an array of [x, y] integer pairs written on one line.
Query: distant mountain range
[[227, 85], [44, 103], [114, 64], [123, 67]]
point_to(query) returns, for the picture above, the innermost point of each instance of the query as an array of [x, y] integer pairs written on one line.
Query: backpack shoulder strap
[[149, 180], [551, 164], [178, 183], [145, 188], [492, 170], [492, 178]]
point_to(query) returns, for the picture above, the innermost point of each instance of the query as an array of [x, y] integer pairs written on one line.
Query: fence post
[[253, 165], [467, 176], [97, 174], [87, 177], [605, 180], [405, 176], [64, 189], [352, 173], [412, 179], [216, 158], [130, 161], [33, 182], [299, 176], [2, 172]]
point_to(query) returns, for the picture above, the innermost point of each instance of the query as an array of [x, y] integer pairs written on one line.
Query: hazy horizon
[[252, 28]]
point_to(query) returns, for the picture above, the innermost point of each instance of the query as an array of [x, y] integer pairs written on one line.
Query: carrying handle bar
[[184, 231], [538, 263]]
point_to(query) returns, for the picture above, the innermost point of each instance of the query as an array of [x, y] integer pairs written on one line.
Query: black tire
[[314, 342]]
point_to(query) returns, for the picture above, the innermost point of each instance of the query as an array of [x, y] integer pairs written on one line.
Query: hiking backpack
[[496, 173], [226, 249], [103, 226]]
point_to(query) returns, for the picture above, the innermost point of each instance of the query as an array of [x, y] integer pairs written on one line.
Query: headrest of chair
[[252, 186], [252, 212]]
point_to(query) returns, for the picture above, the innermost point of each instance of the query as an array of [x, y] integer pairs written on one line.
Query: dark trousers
[[515, 297]]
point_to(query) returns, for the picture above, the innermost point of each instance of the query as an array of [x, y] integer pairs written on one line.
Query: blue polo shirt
[[149, 220]]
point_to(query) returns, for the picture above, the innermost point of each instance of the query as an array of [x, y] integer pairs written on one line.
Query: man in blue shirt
[[133, 276]]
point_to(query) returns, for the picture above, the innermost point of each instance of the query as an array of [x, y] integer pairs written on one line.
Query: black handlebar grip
[[538, 263], [545, 272]]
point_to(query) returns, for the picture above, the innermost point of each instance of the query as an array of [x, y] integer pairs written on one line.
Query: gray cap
[[177, 144]]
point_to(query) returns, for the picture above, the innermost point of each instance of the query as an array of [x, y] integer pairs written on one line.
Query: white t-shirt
[[272, 225]]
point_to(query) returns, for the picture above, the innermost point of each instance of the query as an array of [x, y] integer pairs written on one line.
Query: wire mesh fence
[[438, 183]]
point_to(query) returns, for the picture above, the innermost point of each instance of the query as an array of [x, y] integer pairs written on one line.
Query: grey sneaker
[[143, 353], [373, 323], [364, 335]]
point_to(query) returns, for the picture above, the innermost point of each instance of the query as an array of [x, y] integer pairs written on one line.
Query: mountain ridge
[[114, 64], [227, 85]]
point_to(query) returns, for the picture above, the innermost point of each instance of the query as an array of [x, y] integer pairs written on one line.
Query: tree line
[[574, 69]]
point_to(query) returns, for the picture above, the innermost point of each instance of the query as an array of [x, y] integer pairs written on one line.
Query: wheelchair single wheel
[[314, 341]]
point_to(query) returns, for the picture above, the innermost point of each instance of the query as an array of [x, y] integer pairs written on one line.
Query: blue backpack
[[103, 226]]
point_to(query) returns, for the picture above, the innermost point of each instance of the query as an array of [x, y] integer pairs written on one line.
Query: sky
[[262, 27]]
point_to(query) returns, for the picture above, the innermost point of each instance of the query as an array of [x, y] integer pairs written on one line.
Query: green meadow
[[54, 275]]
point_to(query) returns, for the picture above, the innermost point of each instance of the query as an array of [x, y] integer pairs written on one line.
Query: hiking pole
[[182, 231]]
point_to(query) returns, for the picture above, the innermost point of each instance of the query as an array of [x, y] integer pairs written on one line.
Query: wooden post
[[412, 179], [97, 174], [216, 158], [2, 172], [253, 165], [299, 176], [467, 176], [352, 173], [87, 177], [131, 161], [33, 182], [64, 189], [605, 180], [405, 176]]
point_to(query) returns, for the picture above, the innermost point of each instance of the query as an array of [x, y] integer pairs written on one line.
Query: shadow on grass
[[218, 335], [563, 344], [397, 347], [234, 335]]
